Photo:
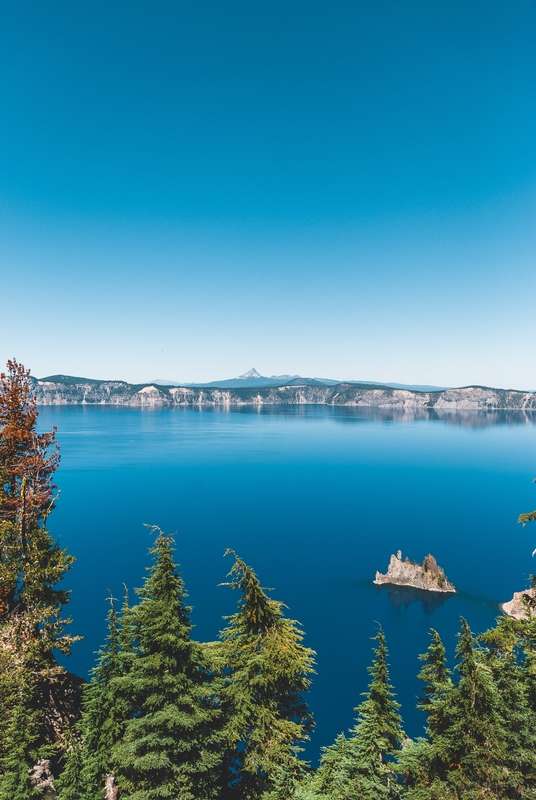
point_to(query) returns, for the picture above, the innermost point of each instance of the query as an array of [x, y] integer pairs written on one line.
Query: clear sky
[[336, 188]]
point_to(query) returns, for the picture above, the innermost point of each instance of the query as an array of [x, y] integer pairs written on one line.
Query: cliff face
[[428, 575], [74, 391]]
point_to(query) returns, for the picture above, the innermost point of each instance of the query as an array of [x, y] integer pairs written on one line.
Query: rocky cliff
[[428, 575], [522, 605], [63, 390]]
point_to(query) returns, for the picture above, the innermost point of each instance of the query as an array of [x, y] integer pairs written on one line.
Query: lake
[[314, 498]]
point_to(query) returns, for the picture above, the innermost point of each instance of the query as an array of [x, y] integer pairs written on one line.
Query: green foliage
[[362, 765], [169, 718], [266, 673], [378, 733], [20, 747], [511, 656], [105, 708], [71, 783], [475, 737], [31, 604], [169, 748], [437, 681], [465, 754], [338, 768], [530, 517]]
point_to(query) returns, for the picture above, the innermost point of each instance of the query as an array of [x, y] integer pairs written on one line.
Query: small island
[[428, 575]]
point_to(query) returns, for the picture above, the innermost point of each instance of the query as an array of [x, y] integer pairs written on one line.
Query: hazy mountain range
[[252, 379]]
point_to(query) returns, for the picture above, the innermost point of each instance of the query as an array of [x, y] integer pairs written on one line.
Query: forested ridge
[[66, 390], [166, 716]]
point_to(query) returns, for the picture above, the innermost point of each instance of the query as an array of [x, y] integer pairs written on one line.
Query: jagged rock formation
[[111, 790], [42, 778], [522, 605], [428, 575], [64, 390]]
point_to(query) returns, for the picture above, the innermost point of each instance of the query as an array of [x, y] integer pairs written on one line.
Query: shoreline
[[414, 586]]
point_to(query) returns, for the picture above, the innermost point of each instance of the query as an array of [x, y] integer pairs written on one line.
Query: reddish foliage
[[28, 459]]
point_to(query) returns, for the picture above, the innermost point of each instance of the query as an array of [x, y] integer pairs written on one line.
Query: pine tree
[[127, 636], [378, 733], [71, 782], [338, 766], [421, 761], [511, 656], [22, 745], [104, 715], [266, 673], [31, 563], [528, 517], [475, 737], [466, 754], [367, 765], [28, 460], [169, 748], [103, 718], [31, 567], [434, 673]]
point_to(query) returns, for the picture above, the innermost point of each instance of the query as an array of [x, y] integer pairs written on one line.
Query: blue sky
[[339, 189]]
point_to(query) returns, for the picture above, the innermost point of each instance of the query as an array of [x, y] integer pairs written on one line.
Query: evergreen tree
[[127, 637], [378, 733], [28, 459], [421, 761], [31, 563], [104, 716], [71, 782], [338, 767], [475, 737], [528, 517], [266, 673], [511, 657], [169, 749], [21, 747], [31, 567], [362, 766], [434, 673], [465, 756]]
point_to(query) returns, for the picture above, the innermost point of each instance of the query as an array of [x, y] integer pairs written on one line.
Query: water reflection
[[405, 595], [467, 418]]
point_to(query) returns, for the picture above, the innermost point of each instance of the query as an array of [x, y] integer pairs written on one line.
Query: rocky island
[[428, 575], [522, 605]]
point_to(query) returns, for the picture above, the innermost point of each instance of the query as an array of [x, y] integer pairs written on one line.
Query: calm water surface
[[315, 499]]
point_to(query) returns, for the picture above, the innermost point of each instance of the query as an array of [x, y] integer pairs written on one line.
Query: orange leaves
[[25, 456]]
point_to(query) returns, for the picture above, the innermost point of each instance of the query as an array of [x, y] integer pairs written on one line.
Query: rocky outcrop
[[522, 605], [111, 790], [64, 390], [41, 778], [428, 575]]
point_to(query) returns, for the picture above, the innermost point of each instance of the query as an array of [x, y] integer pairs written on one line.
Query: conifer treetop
[[28, 460], [262, 611]]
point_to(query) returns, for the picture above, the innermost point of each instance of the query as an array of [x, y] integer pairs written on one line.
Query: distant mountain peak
[[251, 374]]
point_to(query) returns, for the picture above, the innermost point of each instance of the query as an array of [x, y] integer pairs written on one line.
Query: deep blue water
[[315, 499]]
